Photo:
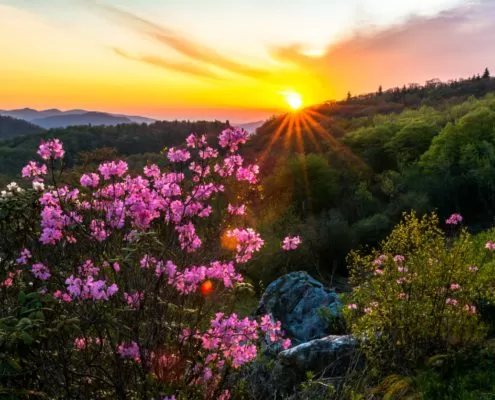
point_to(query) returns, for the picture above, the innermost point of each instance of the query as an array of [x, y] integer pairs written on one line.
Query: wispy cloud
[[193, 50], [454, 43], [183, 67]]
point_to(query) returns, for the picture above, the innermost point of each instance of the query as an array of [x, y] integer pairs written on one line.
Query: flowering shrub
[[419, 295], [129, 278]]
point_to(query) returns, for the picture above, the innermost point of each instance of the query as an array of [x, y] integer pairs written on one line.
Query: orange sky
[[217, 59]]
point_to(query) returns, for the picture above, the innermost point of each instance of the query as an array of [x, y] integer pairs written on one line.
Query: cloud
[[183, 67], [191, 49], [454, 43]]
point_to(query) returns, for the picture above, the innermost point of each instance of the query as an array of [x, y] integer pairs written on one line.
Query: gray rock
[[320, 354], [295, 300]]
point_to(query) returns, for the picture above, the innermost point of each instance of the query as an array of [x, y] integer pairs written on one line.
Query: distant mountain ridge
[[55, 118]]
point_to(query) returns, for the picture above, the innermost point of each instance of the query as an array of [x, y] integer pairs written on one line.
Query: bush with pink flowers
[[420, 294], [122, 287]]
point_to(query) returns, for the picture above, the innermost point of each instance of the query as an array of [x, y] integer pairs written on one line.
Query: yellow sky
[[195, 58]]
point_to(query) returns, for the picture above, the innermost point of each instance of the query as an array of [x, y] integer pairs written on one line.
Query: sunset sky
[[230, 58]]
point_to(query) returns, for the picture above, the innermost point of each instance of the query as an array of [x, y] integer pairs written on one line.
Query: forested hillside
[[10, 127], [342, 171]]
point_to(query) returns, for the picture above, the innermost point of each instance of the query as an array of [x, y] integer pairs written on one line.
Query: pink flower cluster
[[40, 271], [51, 149], [90, 288], [454, 219], [82, 343], [291, 243], [112, 169], [121, 206], [24, 257], [90, 180], [178, 155], [490, 245], [129, 350], [236, 210], [248, 242], [34, 170], [232, 138], [234, 340]]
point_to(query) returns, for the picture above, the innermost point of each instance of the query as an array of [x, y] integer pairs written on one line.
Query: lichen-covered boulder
[[296, 300]]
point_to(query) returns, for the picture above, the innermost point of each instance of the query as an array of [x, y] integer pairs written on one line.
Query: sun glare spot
[[293, 99]]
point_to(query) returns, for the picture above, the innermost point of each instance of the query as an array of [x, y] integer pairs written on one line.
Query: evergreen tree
[[380, 90], [486, 74], [349, 96]]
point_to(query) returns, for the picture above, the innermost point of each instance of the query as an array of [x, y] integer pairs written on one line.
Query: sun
[[293, 99]]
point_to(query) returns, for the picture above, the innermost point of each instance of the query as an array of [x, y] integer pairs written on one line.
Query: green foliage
[[411, 309]]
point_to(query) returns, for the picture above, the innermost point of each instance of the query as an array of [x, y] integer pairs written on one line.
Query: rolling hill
[[10, 127], [55, 118]]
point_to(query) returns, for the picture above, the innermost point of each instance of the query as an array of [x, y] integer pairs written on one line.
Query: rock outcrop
[[296, 300]]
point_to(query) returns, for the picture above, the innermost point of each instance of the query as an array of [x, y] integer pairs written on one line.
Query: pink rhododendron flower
[[232, 137], [454, 219], [129, 350], [455, 286], [178, 155], [51, 149], [236, 210], [291, 243], [352, 306], [490, 245], [452, 302], [248, 242], [40, 271], [24, 257], [113, 169], [90, 180], [34, 170], [399, 258]]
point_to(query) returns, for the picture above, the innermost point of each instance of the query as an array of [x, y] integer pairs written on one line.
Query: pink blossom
[[51, 149], [40, 271], [90, 180], [232, 137], [80, 343], [24, 257], [403, 296], [399, 258], [454, 219], [379, 271], [352, 306], [291, 243], [178, 155], [113, 169], [34, 170], [490, 245], [452, 302], [188, 238], [236, 210], [247, 242], [473, 268], [152, 171], [129, 350], [208, 153], [455, 286]]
